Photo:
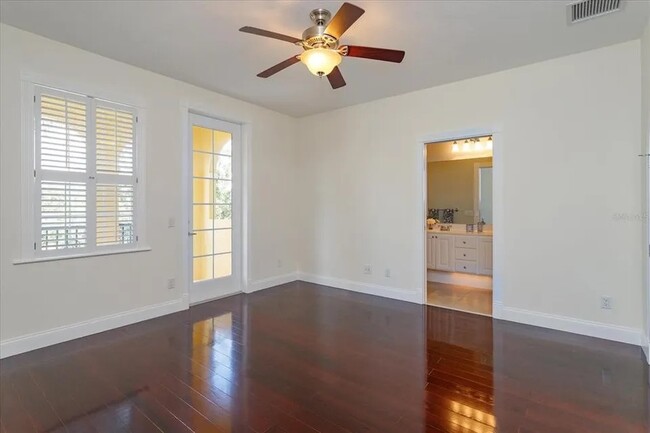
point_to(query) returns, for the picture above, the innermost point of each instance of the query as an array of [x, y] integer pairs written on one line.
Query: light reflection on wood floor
[[461, 298]]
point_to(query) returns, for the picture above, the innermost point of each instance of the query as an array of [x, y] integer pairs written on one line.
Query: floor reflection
[[212, 362], [460, 381]]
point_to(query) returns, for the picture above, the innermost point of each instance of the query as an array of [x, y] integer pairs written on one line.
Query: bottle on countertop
[[479, 226]]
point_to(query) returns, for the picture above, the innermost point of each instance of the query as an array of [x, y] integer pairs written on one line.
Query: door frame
[[498, 245], [645, 227], [186, 195], [646, 248]]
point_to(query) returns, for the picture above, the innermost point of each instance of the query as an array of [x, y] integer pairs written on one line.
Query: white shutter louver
[[115, 217], [63, 215], [115, 132], [62, 134], [115, 138]]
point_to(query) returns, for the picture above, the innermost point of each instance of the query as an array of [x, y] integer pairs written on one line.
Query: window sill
[[80, 256]]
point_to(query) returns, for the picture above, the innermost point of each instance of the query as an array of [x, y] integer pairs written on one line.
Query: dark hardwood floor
[[307, 358]]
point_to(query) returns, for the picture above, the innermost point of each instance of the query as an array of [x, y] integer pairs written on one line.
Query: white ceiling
[[199, 42]]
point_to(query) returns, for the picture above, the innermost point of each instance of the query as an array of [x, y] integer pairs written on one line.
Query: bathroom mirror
[[459, 182]]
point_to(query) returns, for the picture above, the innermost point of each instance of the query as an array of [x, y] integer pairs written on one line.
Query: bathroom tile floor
[[462, 298]]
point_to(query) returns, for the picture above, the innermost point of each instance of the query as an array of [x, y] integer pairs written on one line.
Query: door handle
[[191, 233]]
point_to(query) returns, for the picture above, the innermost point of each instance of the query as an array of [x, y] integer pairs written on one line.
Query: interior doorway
[[459, 225], [215, 221]]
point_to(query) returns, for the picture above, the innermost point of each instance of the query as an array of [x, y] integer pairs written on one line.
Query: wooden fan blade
[[384, 54], [344, 18], [277, 68], [336, 78], [268, 34]]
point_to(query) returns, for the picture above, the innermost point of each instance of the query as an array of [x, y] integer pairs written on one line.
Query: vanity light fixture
[[472, 145]]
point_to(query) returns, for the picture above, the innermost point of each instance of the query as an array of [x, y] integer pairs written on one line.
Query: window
[[85, 174]]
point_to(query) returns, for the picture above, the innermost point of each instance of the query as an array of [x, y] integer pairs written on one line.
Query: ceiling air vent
[[586, 9]]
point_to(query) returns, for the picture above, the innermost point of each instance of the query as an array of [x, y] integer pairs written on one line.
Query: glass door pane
[[212, 203]]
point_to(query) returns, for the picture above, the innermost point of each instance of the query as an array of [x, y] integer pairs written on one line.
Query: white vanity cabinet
[[440, 252], [431, 251], [460, 252], [444, 252], [485, 256]]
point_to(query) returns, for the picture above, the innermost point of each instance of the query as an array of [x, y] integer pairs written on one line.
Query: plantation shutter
[[85, 175], [116, 181], [61, 170]]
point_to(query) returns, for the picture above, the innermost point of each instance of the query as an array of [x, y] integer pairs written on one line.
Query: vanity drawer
[[466, 254], [466, 266], [466, 242]]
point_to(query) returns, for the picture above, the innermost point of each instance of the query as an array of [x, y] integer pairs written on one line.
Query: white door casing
[[498, 206]]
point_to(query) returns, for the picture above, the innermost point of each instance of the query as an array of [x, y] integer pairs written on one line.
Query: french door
[[215, 214]]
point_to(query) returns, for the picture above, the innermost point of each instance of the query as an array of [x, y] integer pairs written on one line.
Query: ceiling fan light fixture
[[323, 50], [320, 61]]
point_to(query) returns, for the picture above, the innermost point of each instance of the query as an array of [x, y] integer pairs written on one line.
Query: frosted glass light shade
[[320, 61]]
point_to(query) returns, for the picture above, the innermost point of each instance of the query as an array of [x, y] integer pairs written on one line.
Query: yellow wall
[[450, 184]]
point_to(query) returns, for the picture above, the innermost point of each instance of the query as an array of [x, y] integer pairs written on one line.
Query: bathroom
[[459, 231]]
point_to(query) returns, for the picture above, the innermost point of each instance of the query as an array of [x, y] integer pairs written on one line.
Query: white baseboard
[[497, 308], [646, 348], [265, 283], [409, 295], [209, 297], [569, 324], [202, 293], [37, 340]]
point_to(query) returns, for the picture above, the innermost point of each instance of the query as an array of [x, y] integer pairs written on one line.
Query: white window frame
[[30, 207]]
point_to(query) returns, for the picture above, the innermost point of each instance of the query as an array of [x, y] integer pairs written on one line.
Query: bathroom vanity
[[470, 253]]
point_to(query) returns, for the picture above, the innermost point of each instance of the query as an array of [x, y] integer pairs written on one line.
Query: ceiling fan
[[322, 50]]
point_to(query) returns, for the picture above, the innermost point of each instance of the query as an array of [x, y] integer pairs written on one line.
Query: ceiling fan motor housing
[[320, 16], [315, 36]]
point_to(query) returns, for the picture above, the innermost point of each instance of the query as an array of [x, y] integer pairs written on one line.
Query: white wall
[[569, 140], [39, 297], [645, 148]]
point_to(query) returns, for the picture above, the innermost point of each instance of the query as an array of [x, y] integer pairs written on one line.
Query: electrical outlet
[[606, 303], [606, 376], [387, 273], [171, 222], [367, 269], [279, 263], [171, 283]]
